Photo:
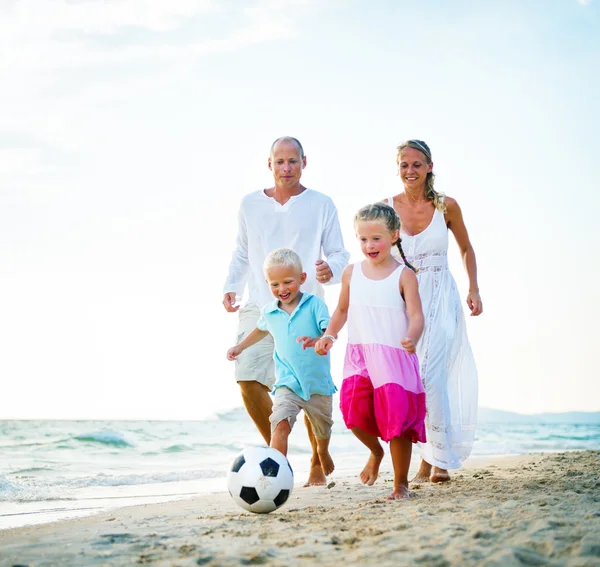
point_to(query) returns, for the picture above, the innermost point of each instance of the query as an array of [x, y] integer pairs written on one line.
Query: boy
[[295, 320]]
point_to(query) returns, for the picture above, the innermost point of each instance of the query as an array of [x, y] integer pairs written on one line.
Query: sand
[[528, 510]]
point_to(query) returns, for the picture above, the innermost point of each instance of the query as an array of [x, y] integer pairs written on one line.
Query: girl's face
[[413, 168], [375, 239]]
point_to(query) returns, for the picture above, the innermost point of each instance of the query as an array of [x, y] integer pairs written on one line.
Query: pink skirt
[[382, 392]]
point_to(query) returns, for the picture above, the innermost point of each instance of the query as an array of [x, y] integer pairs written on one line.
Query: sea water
[[52, 470]]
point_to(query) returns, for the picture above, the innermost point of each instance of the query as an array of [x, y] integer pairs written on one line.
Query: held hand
[[234, 352], [474, 303], [229, 302], [323, 346], [409, 345], [324, 273], [307, 342]]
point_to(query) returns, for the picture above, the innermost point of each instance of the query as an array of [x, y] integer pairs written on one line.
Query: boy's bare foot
[[326, 463], [423, 473], [371, 471], [316, 476], [399, 493], [439, 475]]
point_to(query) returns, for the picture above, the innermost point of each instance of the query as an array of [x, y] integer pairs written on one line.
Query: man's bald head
[[288, 139]]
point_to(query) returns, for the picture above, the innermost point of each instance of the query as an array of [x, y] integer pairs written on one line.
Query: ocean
[[51, 470]]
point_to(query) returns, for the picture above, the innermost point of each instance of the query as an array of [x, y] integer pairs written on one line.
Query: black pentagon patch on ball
[[249, 495], [281, 497], [269, 467], [238, 464]]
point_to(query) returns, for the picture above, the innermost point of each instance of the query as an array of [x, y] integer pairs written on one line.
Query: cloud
[[584, 2]]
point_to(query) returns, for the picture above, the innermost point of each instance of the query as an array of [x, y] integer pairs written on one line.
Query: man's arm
[[333, 245], [238, 267]]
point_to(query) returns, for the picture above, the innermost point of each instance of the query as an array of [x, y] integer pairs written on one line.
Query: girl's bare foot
[[371, 471], [316, 476], [399, 493], [439, 475], [423, 473]]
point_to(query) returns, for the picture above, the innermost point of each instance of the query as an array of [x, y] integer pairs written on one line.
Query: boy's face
[[285, 282]]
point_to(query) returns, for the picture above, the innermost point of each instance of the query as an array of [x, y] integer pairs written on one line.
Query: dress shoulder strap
[[390, 202]]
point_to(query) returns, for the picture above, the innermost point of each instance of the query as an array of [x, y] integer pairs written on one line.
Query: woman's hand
[[474, 303]]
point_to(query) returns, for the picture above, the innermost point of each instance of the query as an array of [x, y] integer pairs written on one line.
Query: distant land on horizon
[[489, 415]]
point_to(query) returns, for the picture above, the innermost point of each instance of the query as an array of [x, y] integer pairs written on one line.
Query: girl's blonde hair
[[283, 257], [430, 193], [387, 215]]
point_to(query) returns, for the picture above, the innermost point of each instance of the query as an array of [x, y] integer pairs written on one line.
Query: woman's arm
[[456, 224]]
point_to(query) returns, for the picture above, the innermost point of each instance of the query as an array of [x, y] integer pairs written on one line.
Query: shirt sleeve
[[321, 314], [261, 324], [239, 265], [333, 245]]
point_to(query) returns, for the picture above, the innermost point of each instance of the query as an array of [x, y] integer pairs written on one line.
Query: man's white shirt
[[308, 223]]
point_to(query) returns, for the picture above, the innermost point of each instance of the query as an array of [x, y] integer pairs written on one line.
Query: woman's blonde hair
[[430, 193], [387, 215]]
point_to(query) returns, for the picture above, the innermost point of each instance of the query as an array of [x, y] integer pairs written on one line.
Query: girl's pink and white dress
[[447, 365], [382, 393]]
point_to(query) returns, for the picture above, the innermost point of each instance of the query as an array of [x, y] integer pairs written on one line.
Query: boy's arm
[[253, 337], [321, 317], [409, 288]]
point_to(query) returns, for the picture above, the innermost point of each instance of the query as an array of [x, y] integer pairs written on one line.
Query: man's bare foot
[[423, 473], [326, 463], [316, 476], [399, 493], [439, 475], [371, 471]]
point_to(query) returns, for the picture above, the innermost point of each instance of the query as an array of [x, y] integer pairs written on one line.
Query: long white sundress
[[447, 365]]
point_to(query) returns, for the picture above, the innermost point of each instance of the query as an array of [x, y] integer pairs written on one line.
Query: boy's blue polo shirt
[[302, 371]]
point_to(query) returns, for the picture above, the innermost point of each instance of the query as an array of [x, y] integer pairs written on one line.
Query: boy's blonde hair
[[283, 257]]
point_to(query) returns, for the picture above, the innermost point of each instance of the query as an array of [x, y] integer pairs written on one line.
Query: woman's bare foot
[[316, 476], [423, 473], [439, 475], [371, 471], [400, 492]]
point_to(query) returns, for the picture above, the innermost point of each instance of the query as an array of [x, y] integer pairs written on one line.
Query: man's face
[[286, 163]]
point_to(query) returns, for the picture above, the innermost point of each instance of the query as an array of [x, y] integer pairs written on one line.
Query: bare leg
[[316, 476], [279, 439], [400, 450], [371, 471], [423, 473], [439, 475], [259, 404], [324, 456]]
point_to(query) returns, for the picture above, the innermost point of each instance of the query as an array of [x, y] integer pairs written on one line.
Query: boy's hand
[[408, 345], [307, 342], [322, 346], [234, 352]]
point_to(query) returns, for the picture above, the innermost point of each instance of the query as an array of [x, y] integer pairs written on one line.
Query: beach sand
[[527, 510]]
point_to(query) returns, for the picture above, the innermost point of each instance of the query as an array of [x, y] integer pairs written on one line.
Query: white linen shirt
[[308, 223]]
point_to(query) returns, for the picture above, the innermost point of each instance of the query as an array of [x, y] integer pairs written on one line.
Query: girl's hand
[[474, 303], [408, 345], [322, 346], [307, 342], [234, 352]]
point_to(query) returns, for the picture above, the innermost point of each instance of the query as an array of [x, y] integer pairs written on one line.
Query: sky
[[131, 129]]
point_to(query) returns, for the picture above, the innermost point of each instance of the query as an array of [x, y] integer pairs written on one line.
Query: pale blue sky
[[130, 130]]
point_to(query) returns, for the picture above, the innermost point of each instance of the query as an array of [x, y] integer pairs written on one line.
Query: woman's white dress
[[447, 365]]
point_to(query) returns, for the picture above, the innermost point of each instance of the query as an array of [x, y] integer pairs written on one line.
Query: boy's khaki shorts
[[256, 362], [318, 409]]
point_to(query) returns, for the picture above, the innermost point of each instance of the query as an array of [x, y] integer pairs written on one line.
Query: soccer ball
[[260, 479]]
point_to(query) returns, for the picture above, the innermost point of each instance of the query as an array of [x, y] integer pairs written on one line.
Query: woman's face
[[413, 168]]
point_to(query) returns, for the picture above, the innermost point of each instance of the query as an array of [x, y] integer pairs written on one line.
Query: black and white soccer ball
[[260, 479]]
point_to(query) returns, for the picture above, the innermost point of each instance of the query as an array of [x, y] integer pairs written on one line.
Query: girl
[[382, 395]]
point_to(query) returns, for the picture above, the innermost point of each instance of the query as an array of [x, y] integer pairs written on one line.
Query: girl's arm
[[251, 339], [340, 315], [456, 224], [409, 288]]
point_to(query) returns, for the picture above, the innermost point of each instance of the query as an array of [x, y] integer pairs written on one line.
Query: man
[[287, 215]]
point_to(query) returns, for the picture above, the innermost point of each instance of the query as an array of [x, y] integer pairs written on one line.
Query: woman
[[447, 366]]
